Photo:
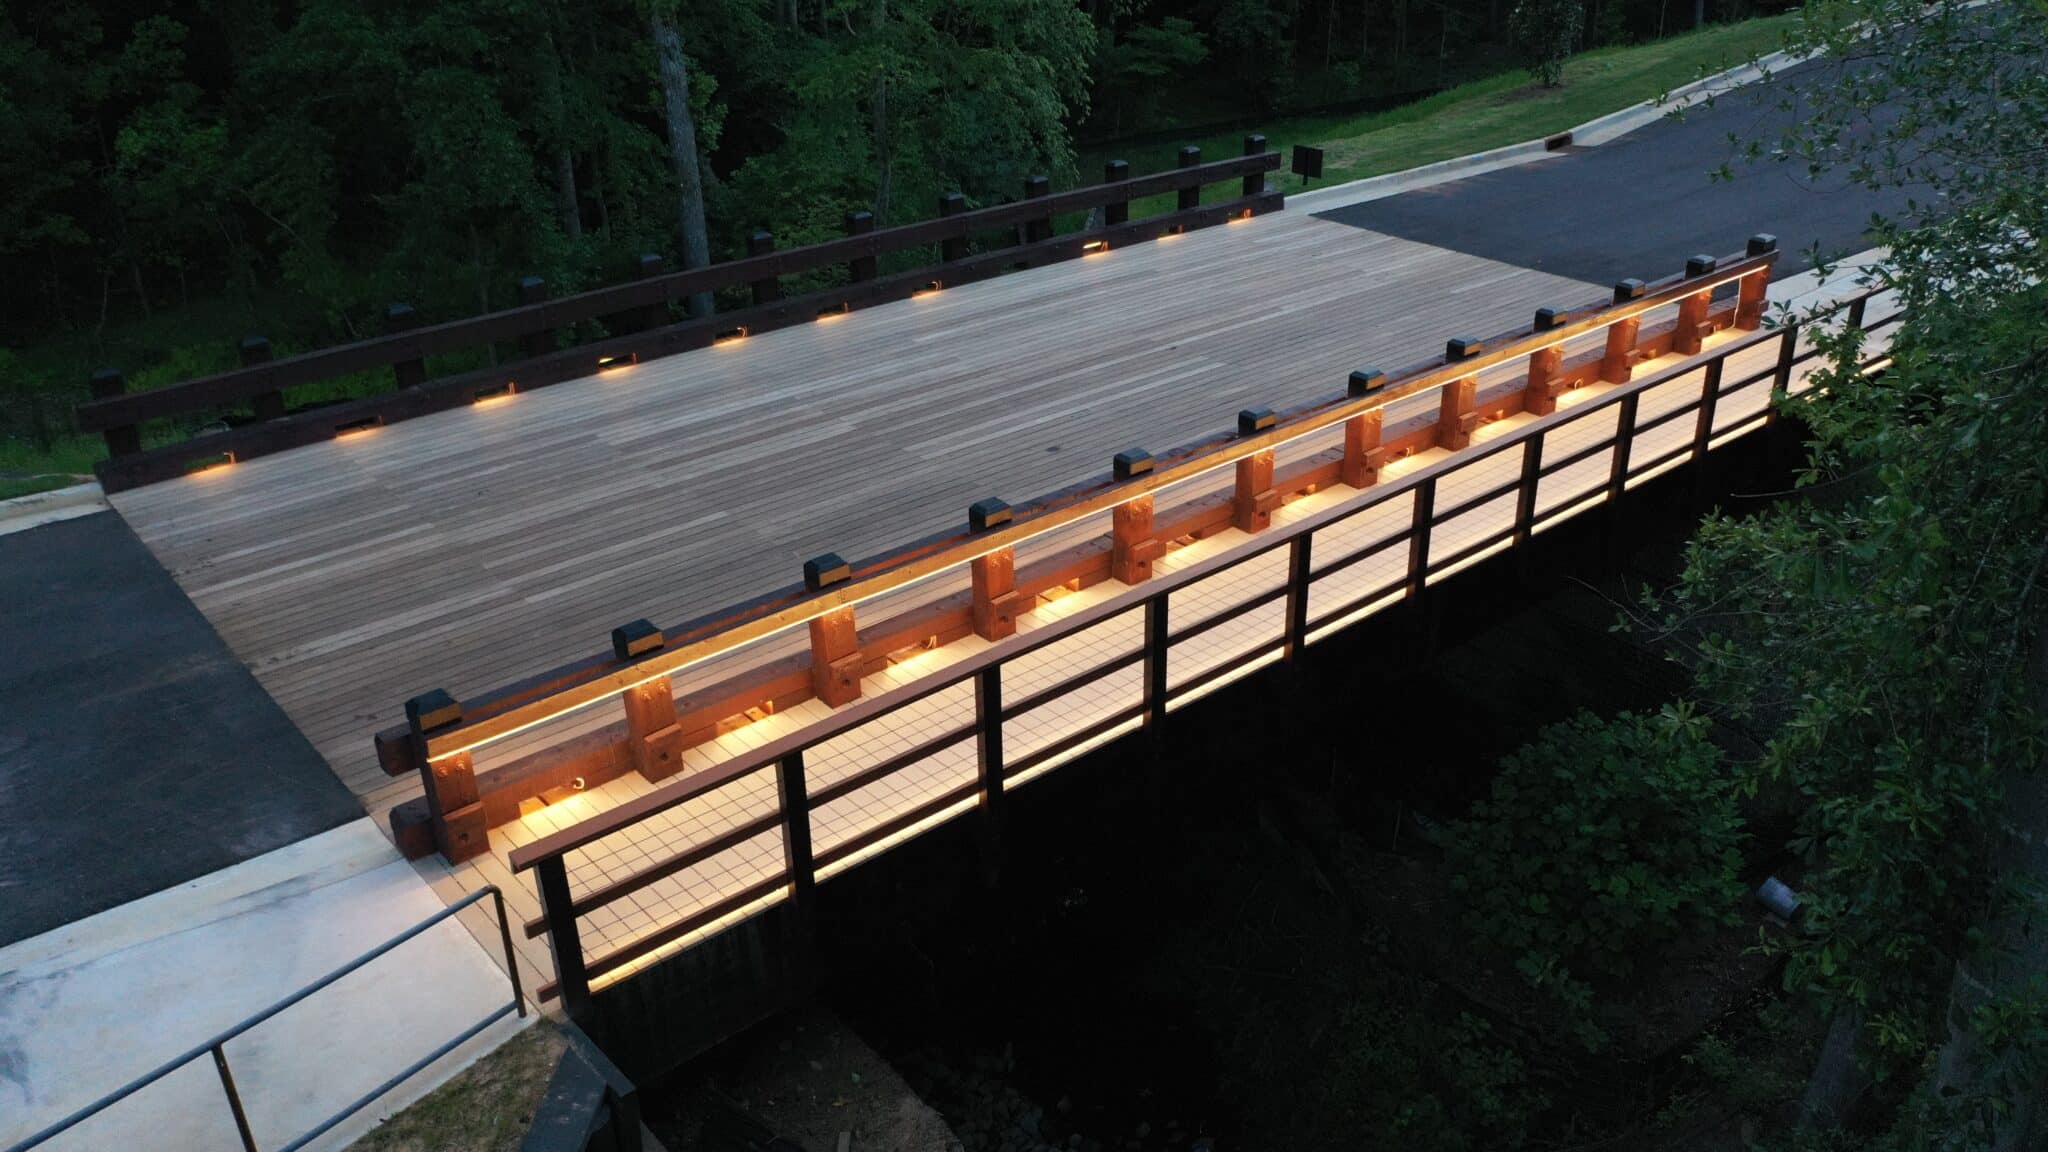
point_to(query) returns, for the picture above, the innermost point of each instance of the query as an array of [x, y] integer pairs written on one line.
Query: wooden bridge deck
[[466, 549]]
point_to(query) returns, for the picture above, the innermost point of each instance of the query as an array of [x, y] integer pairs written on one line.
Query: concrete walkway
[[89, 1007]]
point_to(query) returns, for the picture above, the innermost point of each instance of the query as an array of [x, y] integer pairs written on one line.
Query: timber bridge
[[838, 617]]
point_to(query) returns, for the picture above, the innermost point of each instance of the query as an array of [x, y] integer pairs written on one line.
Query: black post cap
[[400, 316], [650, 263], [1761, 243], [1627, 290], [529, 284], [1190, 156], [825, 571], [951, 203], [1131, 462], [1463, 348], [1367, 380], [1037, 185], [1254, 144], [985, 514], [760, 243], [1699, 265], [860, 221], [630, 640], [255, 349], [108, 382], [1548, 318], [1252, 420], [430, 710]]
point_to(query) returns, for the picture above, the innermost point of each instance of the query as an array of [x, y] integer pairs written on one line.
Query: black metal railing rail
[[799, 875], [217, 1045], [539, 324]]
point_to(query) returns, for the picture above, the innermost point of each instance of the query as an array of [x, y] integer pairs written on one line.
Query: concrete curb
[[1593, 133], [32, 511]]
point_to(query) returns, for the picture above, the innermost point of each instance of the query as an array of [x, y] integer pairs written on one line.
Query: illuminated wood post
[[1132, 548], [835, 658], [996, 603], [1690, 334], [1753, 291], [653, 738], [1456, 419], [1545, 386], [1190, 197], [1619, 362], [454, 807], [1255, 500], [1363, 455]]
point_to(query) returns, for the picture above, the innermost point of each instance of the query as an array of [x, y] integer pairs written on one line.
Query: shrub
[[1601, 840], [1544, 32]]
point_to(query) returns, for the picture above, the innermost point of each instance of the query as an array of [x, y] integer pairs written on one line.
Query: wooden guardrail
[[1701, 414], [538, 324], [442, 734]]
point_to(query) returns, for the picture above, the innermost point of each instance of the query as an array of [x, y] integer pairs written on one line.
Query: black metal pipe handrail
[[217, 1044]]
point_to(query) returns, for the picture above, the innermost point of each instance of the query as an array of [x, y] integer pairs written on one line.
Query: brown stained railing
[[484, 720], [534, 325], [798, 879]]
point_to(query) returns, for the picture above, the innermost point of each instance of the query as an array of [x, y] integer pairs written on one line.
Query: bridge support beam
[[835, 658], [1132, 548], [1363, 455], [1545, 384], [1619, 363], [1456, 416], [996, 601], [1255, 501]]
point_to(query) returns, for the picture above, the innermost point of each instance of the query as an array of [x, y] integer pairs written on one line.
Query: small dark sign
[[1308, 162]]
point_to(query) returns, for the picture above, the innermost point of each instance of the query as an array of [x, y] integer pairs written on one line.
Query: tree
[[1545, 32], [694, 240]]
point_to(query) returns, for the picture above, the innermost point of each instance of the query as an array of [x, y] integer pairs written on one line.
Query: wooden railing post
[[572, 978], [1038, 227], [1255, 501], [1753, 291], [768, 289], [540, 342], [796, 831], [269, 405], [1190, 197], [653, 738], [1618, 363], [860, 267], [996, 602], [1132, 548], [1156, 653], [988, 738], [952, 247], [835, 657], [1539, 398], [1254, 182], [1710, 394], [1298, 558], [655, 316], [1525, 495], [1363, 456], [1418, 537], [1692, 327], [454, 808], [125, 440], [1624, 440], [406, 373], [1116, 211], [1456, 417]]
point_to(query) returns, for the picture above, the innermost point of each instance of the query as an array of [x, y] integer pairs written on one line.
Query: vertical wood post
[[953, 247], [533, 290], [1788, 351], [768, 289], [1619, 362], [1753, 291], [1038, 227], [1710, 395], [656, 315], [1540, 397], [996, 603], [269, 404], [796, 831], [1132, 548], [1254, 182], [1456, 419], [1253, 506], [860, 267], [1418, 537], [407, 373], [1624, 439], [989, 762], [835, 658], [1525, 496], [572, 978], [653, 737], [454, 809], [1190, 197], [1116, 211], [1298, 569], [125, 440], [1155, 662], [1363, 456], [1688, 337]]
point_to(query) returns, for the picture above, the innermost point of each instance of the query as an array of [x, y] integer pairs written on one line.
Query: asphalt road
[[135, 751], [1639, 205]]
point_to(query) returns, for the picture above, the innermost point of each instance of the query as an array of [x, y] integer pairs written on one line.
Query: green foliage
[[1544, 32], [1425, 1088], [1601, 842]]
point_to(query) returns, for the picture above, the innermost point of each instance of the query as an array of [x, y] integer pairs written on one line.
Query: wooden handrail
[[511, 323], [493, 718]]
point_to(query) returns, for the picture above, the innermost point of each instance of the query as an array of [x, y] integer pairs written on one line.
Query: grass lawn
[[1490, 113], [486, 1108]]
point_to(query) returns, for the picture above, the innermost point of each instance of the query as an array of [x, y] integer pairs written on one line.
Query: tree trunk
[[884, 158], [682, 147], [1699, 13], [565, 194]]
